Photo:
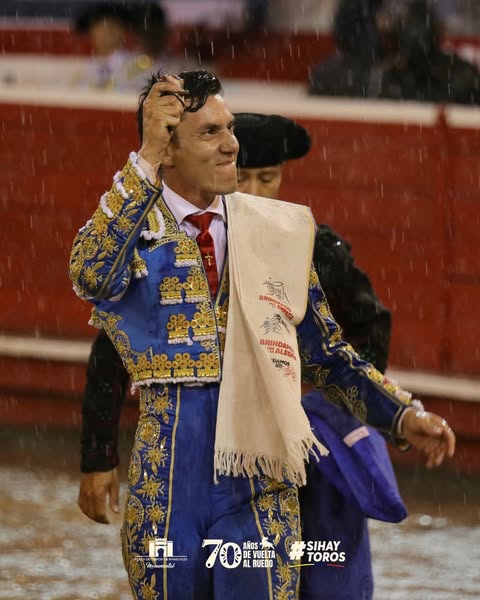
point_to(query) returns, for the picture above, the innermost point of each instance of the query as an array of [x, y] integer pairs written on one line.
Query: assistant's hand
[[430, 434], [162, 111], [94, 490]]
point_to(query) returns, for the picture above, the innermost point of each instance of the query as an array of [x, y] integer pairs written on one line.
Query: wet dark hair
[[200, 84]]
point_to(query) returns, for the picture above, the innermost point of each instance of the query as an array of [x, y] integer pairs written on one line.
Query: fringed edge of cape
[[235, 463]]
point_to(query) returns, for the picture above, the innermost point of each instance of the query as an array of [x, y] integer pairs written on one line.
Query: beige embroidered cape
[[261, 426]]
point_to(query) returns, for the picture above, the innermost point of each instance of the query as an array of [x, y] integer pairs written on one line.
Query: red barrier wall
[[408, 199]]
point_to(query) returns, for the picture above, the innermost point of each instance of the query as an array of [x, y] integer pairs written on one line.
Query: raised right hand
[[161, 114], [94, 489]]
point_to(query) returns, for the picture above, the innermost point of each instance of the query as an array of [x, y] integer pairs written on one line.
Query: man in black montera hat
[[147, 266]]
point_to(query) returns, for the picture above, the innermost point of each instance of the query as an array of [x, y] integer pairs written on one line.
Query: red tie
[[207, 247]]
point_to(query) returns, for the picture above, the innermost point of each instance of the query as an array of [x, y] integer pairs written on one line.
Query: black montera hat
[[102, 10], [268, 140]]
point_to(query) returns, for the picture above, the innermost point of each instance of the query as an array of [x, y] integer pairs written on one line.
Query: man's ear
[[169, 158]]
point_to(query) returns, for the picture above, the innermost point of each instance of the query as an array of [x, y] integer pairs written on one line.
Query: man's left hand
[[430, 434]]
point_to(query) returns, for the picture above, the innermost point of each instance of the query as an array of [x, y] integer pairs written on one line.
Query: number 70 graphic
[[221, 551]]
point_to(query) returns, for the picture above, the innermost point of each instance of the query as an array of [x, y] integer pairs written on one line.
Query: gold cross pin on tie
[[209, 258]]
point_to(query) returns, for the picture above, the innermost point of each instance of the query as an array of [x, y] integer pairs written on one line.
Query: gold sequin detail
[[186, 252], [178, 327], [203, 323], [171, 290]]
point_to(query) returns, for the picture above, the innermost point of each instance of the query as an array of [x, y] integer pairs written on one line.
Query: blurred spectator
[[151, 28], [420, 70], [461, 17], [116, 67], [256, 13], [307, 15], [351, 72], [107, 25], [392, 50]]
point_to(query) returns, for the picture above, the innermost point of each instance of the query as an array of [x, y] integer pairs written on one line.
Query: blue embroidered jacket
[[151, 295]]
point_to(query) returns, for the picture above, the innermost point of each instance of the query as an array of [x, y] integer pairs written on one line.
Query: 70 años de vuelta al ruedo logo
[[251, 555]]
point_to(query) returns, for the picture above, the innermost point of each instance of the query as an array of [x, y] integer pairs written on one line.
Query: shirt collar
[[182, 208]]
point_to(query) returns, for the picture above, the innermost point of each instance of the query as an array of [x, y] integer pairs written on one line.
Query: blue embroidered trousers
[[172, 499]]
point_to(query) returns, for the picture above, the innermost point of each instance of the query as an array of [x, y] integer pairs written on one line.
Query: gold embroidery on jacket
[[138, 264], [171, 291], [350, 399], [89, 248], [186, 252], [313, 280], [196, 286], [203, 323], [130, 182], [183, 366], [207, 365], [320, 377], [109, 245], [206, 326], [178, 327], [115, 200], [172, 231], [94, 242]]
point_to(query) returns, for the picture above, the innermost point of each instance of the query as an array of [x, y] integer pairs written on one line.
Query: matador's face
[[203, 154]]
